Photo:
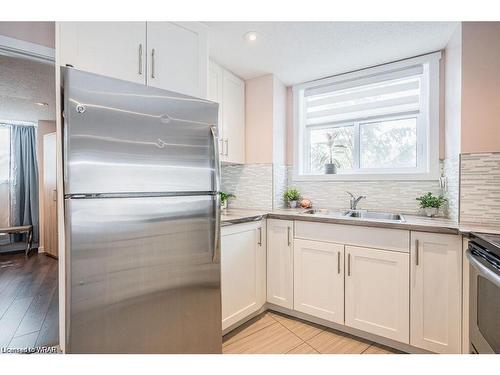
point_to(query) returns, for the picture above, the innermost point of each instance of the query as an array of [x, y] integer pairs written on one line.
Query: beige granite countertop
[[412, 222]]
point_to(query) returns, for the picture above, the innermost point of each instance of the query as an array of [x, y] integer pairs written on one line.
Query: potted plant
[[431, 203], [291, 197], [332, 163], [224, 198]]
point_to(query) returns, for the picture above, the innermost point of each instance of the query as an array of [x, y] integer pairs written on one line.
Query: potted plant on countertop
[[224, 199], [291, 197], [431, 203]]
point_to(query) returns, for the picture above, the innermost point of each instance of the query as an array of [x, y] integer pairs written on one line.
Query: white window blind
[[391, 93], [376, 123]]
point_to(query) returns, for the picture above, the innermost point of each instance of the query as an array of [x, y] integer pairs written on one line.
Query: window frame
[[427, 126]]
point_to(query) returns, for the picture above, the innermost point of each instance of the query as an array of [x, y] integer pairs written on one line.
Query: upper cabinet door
[[178, 57], [114, 49], [233, 118], [436, 279], [215, 95]]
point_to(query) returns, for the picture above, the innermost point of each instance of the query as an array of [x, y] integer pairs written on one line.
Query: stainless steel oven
[[484, 298]]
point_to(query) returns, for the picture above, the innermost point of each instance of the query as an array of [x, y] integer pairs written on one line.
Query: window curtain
[[24, 179]]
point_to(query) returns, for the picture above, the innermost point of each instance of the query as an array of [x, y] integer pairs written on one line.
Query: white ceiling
[[303, 51], [24, 82]]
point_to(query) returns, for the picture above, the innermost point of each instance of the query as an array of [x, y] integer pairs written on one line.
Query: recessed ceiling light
[[42, 104], [251, 36]]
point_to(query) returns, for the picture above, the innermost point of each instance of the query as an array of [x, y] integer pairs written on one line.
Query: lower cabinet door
[[377, 292], [242, 271], [436, 293], [319, 279], [280, 262]]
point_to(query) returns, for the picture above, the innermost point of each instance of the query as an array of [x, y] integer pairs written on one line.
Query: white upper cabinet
[[168, 55], [435, 288], [229, 91], [377, 292], [178, 57], [114, 49], [319, 279], [233, 118], [280, 262]]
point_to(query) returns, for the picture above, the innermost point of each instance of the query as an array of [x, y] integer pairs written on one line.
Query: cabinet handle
[[338, 262], [260, 237], [288, 233], [153, 63], [416, 252], [140, 59], [348, 264], [227, 146], [221, 147]]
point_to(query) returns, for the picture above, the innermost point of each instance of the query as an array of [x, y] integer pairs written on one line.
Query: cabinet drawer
[[381, 238]]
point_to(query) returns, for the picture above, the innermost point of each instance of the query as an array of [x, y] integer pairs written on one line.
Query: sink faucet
[[354, 200]]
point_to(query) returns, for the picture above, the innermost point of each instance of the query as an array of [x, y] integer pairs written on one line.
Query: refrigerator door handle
[[215, 257], [213, 130]]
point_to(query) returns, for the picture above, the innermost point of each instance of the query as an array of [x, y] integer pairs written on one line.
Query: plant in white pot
[[291, 197], [431, 203]]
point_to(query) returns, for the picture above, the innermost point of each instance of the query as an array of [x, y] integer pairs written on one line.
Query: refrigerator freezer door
[[123, 137], [144, 275]]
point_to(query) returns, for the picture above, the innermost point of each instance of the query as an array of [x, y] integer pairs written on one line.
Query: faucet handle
[[351, 194]]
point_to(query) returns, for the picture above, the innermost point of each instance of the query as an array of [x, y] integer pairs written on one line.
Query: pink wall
[[259, 120], [480, 131], [42, 33], [453, 94]]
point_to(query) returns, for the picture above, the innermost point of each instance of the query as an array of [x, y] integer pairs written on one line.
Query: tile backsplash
[[394, 196], [480, 188], [252, 184], [451, 171]]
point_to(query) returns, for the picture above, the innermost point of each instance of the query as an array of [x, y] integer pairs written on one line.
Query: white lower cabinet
[[319, 279], [377, 292], [436, 265], [243, 271], [280, 262]]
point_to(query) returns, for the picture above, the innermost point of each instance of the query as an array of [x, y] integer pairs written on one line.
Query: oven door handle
[[484, 268]]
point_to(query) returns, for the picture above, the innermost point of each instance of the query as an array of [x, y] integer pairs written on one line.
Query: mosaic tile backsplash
[[252, 184], [480, 188], [451, 193], [393, 196]]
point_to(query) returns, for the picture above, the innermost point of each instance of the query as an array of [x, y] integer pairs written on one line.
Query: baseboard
[[41, 249]]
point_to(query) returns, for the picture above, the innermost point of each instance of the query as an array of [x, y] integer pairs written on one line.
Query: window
[[4, 178], [377, 123]]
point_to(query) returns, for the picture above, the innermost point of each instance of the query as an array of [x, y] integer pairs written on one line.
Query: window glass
[[332, 145], [389, 144]]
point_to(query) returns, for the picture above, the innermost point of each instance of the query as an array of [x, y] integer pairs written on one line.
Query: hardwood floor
[[28, 301], [273, 333]]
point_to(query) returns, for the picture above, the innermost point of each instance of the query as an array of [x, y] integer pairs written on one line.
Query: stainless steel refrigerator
[[141, 184]]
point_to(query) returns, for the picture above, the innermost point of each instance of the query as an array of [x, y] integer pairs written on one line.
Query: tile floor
[[273, 333]]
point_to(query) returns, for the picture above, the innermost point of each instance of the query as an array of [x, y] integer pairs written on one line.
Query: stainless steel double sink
[[360, 214]]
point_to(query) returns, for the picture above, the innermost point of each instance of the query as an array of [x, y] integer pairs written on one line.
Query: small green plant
[[224, 197], [431, 201], [291, 195]]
